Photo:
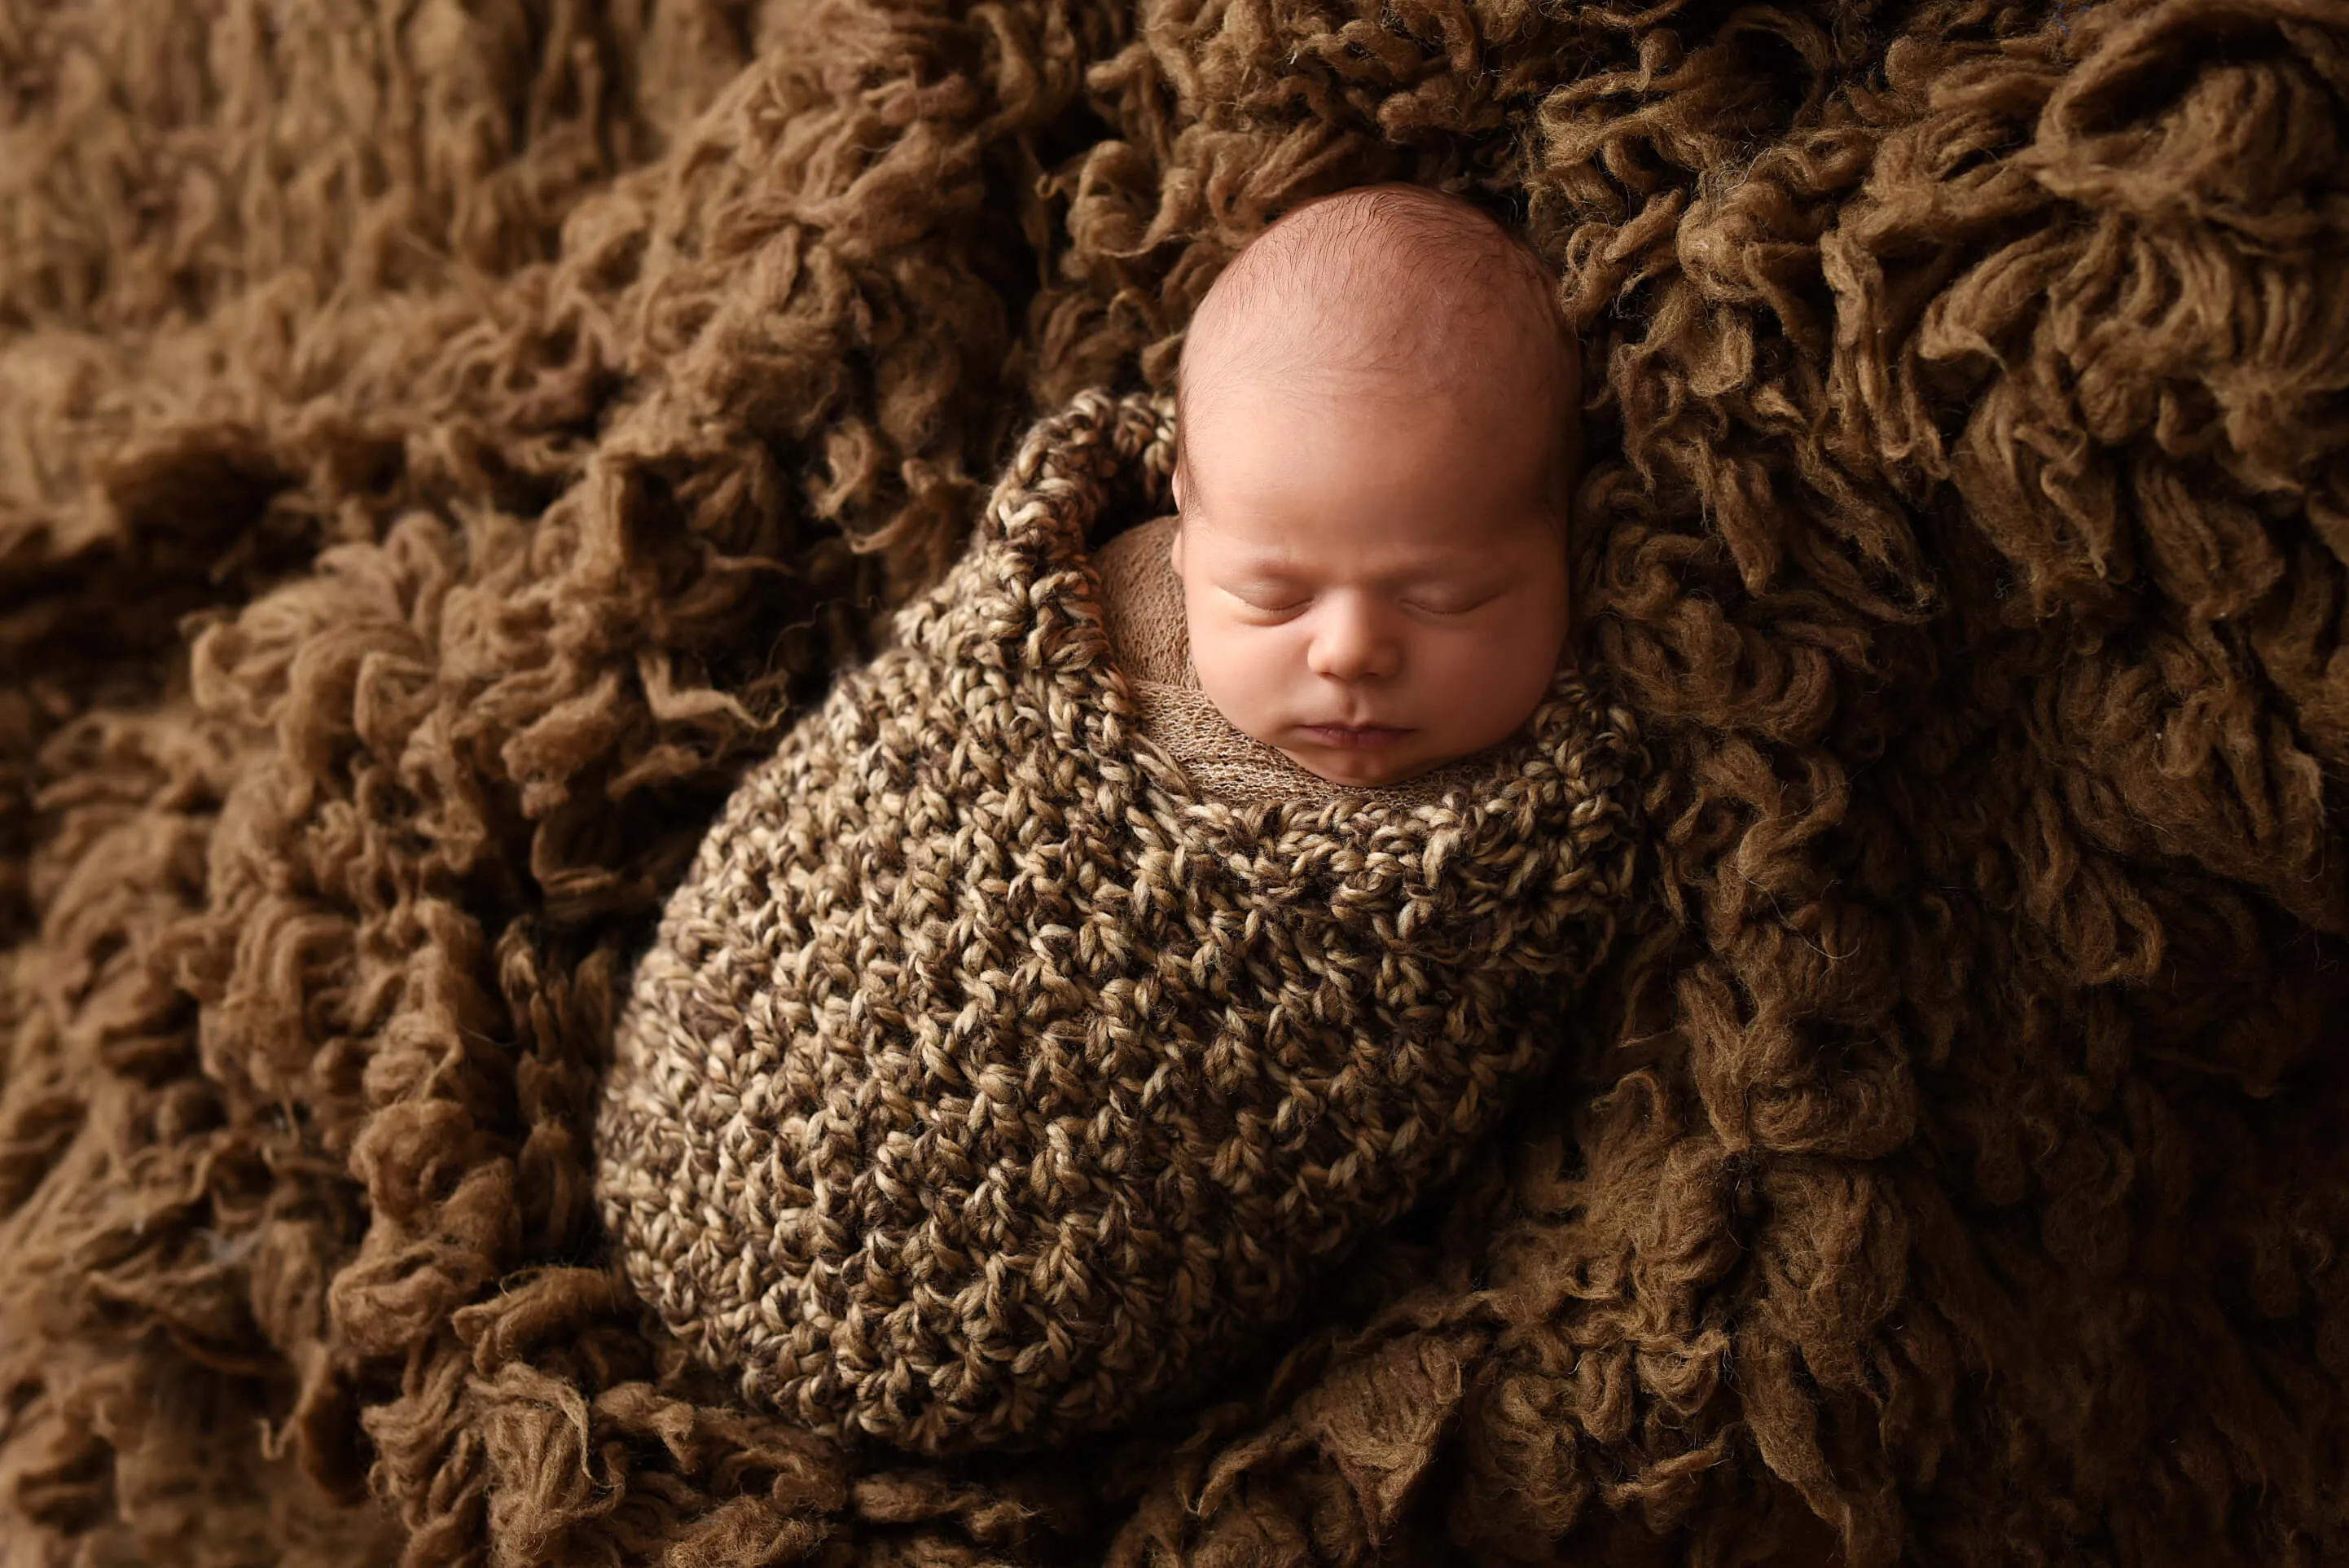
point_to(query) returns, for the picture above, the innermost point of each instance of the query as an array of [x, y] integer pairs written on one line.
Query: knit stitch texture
[[988, 1076]]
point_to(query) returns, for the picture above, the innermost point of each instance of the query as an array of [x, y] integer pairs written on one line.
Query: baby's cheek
[[1509, 677], [1229, 666]]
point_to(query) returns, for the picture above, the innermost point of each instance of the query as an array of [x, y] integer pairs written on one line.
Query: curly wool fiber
[[988, 1077], [442, 447]]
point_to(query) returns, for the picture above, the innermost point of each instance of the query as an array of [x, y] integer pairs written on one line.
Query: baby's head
[[1377, 437]]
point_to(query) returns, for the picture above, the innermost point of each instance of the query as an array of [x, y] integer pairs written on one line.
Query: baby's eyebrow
[[1271, 564], [1260, 564], [1448, 574]]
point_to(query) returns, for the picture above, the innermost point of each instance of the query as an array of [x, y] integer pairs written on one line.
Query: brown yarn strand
[[444, 448], [989, 1076]]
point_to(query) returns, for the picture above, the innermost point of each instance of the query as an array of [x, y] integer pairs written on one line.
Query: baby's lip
[[1361, 736]]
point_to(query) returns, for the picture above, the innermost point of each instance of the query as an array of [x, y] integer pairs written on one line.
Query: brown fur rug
[[441, 445]]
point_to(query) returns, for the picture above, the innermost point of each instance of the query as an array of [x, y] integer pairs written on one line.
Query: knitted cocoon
[[984, 1078]]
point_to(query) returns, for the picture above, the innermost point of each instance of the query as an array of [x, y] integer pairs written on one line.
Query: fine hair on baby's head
[[1377, 439], [1392, 290]]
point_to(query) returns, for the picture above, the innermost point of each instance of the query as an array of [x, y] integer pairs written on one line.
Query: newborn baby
[[1034, 1030], [1376, 438]]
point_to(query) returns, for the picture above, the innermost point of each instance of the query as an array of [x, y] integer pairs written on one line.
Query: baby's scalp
[[1394, 291]]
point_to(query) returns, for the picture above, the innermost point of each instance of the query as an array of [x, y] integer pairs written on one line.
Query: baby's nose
[[1352, 642]]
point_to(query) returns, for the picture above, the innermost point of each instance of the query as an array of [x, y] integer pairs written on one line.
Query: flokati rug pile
[[444, 450]]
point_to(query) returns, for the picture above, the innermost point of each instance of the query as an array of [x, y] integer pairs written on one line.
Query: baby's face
[[1372, 590]]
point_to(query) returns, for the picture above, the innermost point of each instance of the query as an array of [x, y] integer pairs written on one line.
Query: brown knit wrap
[[986, 1077]]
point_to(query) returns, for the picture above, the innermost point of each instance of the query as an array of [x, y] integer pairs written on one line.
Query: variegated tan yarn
[[989, 1075]]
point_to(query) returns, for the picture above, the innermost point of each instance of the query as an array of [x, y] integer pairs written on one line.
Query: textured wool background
[[439, 445]]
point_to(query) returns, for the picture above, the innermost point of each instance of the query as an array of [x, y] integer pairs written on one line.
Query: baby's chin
[[1359, 769]]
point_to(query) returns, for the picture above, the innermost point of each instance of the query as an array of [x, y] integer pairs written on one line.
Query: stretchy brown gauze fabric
[[987, 1075]]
